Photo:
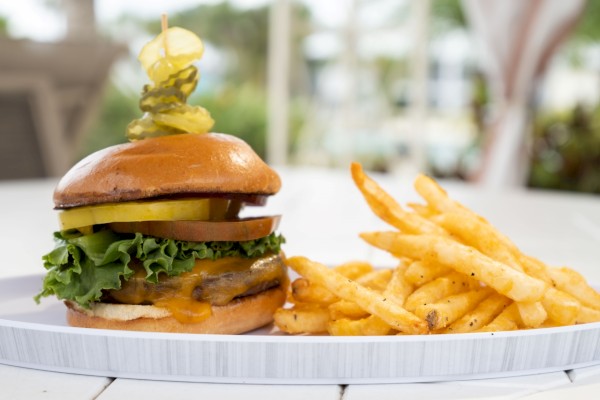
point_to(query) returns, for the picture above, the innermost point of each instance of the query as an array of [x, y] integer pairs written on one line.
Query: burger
[[151, 238]]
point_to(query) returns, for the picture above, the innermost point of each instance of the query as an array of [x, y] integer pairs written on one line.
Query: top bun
[[211, 163]]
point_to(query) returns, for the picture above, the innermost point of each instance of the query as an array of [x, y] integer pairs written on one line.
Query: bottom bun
[[239, 316]]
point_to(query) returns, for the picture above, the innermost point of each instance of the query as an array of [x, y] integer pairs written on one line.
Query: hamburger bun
[[238, 269], [189, 164], [239, 316]]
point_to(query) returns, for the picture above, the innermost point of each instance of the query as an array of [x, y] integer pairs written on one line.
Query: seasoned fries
[[456, 274], [369, 300]]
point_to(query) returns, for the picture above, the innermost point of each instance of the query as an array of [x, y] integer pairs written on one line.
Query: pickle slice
[[161, 99], [168, 61], [193, 119], [145, 127], [184, 80], [172, 50], [171, 92], [164, 210]]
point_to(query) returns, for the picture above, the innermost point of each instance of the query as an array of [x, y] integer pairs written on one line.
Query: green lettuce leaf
[[81, 267]]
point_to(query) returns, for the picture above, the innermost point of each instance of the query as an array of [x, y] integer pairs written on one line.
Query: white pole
[[278, 82], [419, 87]]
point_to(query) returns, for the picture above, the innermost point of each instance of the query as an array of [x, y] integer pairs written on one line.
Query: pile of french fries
[[456, 273]]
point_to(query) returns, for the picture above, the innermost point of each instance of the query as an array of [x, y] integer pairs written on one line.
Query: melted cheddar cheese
[[190, 295]]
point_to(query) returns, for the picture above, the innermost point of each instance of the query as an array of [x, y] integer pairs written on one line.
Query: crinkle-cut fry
[[354, 269], [370, 326], [386, 208], [533, 314], [473, 231], [561, 306], [439, 288], [302, 319], [306, 292], [376, 280], [587, 315], [505, 280], [345, 309], [371, 301], [507, 320], [423, 271], [573, 283], [482, 315], [444, 312]]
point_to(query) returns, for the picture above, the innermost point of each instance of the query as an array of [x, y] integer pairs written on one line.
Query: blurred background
[[503, 93]]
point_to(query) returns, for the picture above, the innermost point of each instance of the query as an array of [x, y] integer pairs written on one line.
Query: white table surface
[[323, 213]]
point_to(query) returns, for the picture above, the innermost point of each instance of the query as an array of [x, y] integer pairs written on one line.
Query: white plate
[[37, 336]]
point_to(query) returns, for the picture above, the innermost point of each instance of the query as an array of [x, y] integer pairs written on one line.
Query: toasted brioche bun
[[186, 164], [239, 316]]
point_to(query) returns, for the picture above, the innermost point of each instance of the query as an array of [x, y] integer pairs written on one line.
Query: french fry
[[397, 290], [386, 208], [436, 197], [376, 280], [375, 303], [482, 315], [535, 268], [423, 271], [505, 280], [354, 269], [587, 315], [422, 209], [507, 320], [306, 292], [475, 232], [302, 319], [573, 283], [439, 288], [344, 309], [560, 306], [533, 314], [370, 326], [441, 314], [457, 273]]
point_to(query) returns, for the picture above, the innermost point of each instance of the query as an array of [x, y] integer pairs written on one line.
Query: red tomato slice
[[203, 231]]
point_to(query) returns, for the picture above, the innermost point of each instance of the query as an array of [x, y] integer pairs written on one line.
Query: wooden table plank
[[157, 390], [26, 384], [505, 388]]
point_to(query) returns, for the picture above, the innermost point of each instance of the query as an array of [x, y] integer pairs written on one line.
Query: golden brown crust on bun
[[169, 165], [239, 316]]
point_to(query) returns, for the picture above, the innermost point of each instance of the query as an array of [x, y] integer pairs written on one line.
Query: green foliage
[[239, 105], [588, 28], [3, 26], [243, 34], [240, 111], [118, 109], [566, 151], [447, 15]]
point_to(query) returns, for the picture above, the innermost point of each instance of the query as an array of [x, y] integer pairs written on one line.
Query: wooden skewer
[[164, 24]]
